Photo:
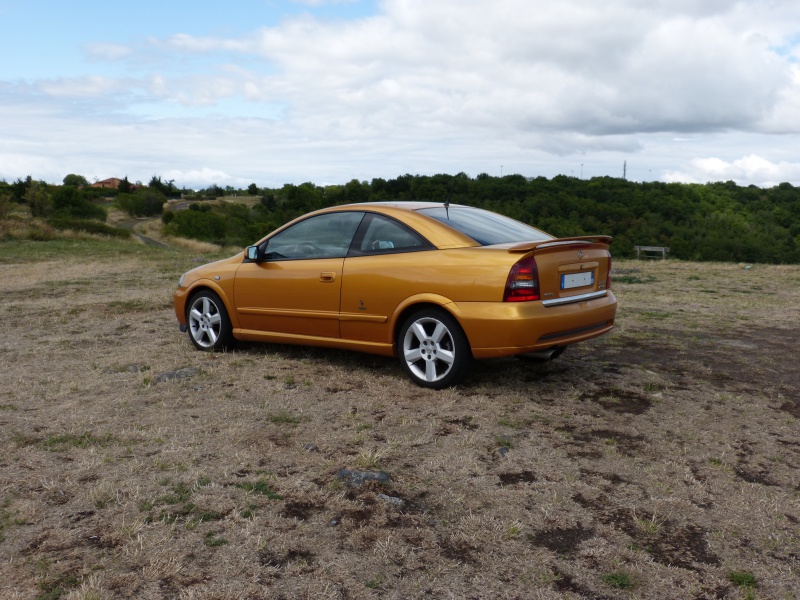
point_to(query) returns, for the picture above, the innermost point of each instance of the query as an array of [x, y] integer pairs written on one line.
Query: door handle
[[327, 277]]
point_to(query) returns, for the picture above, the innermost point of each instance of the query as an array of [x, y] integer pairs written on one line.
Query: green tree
[[167, 189], [125, 186], [38, 199], [355, 191], [214, 192], [20, 188], [252, 189], [75, 180]]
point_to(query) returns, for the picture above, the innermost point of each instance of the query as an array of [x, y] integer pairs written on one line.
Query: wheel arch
[[414, 304], [208, 285]]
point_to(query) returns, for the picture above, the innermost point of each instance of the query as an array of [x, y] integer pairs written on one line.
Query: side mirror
[[253, 254]]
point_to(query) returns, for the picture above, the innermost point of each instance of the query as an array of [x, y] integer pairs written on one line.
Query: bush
[[99, 194], [143, 203], [205, 226], [70, 202], [37, 195]]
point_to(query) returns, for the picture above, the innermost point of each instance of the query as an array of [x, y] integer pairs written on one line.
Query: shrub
[[37, 195], [70, 202], [198, 225], [143, 203]]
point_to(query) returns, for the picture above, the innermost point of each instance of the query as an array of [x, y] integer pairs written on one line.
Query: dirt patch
[[621, 401], [516, 478], [562, 540], [650, 463]]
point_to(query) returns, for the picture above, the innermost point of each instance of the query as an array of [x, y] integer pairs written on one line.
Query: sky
[[288, 91]]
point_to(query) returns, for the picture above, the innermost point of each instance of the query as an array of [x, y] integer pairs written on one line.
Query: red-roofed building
[[110, 183]]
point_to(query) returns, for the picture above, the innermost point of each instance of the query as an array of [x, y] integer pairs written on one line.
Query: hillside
[[710, 222]]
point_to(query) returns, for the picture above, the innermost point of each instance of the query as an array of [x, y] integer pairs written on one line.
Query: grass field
[[660, 461]]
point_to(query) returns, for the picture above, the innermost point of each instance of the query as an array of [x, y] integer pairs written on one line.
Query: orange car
[[434, 284]]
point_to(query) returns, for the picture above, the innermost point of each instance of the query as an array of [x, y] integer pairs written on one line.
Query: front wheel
[[433, 349], [208, 323]]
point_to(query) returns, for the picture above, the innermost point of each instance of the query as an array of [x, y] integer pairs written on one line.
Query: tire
[[433, 349], [208, 323]]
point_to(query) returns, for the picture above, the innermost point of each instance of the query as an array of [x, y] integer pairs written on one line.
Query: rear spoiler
[[528, 246]]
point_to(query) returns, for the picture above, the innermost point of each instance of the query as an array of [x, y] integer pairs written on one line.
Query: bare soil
[[660, 461]]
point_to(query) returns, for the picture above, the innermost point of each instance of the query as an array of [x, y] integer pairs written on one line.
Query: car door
[[387, 263], [296, 288]]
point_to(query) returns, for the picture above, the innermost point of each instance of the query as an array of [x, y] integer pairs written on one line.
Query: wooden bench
[[651, 251]]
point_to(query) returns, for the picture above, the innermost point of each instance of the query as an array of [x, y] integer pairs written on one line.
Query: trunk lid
[[570, 269]]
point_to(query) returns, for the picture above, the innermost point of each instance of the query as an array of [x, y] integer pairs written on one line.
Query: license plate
[[576, 280]]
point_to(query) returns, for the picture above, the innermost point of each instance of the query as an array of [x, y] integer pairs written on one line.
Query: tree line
[[718, 221]]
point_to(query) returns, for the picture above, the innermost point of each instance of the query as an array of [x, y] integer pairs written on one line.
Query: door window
[[322, 236]]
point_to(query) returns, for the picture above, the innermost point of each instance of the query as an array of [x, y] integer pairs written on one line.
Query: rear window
[[485, 227]]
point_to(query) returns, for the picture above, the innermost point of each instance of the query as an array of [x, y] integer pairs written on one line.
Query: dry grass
[[197, 246], [658, 462]]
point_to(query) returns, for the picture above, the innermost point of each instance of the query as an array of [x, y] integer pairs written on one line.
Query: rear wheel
[[433, 349], [208, 323]]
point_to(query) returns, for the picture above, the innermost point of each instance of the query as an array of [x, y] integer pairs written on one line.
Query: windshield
[[485, 227]]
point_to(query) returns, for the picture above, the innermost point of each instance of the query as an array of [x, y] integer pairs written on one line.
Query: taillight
[[608, 277], [522, 284]]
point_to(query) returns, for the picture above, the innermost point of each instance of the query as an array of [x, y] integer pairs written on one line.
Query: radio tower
[[625, 170]]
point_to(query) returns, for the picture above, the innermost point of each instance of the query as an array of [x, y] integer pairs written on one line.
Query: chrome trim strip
[[571, 299]]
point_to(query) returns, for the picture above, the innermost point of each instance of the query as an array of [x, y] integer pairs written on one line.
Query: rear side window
[[486, 228], [383, 235]]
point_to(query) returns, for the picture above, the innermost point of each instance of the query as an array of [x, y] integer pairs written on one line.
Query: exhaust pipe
[[541, 355]]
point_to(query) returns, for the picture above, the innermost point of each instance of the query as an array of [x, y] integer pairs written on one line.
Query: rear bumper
[[516, 328]]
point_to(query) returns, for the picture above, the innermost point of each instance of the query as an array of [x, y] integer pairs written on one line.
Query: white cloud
[[560, 67], [187, 43], [203, 178], [103, 51], [82, 87], [750, 168]]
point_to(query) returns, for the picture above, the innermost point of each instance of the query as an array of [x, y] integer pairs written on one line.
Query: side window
[[384, 235], [322, 236]]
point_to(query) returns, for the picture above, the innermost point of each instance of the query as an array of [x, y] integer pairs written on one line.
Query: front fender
[[182, 295]]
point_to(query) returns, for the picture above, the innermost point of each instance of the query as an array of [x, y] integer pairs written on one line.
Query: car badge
[[580, 253]]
